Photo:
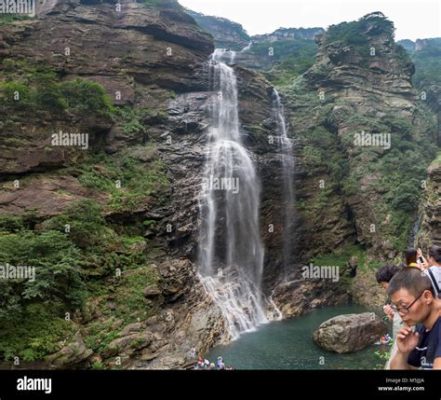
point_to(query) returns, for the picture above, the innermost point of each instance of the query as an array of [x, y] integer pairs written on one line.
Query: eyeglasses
[[405, 310]]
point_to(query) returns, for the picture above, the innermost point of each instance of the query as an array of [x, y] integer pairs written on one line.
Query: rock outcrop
[[226, 34], [429, 231]]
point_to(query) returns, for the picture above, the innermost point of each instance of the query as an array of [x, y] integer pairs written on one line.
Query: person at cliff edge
[[412, 296]]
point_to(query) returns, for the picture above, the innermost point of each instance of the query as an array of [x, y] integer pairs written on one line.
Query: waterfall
[[247, 47], [412, 242], [230, 248], [288, 164]]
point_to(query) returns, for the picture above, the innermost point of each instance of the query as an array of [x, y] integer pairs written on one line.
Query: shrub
[[55, 260]]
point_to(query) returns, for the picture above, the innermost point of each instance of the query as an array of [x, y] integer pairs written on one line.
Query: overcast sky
[[413, 19]]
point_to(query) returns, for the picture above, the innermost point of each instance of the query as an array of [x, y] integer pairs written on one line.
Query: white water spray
[[231, 251]]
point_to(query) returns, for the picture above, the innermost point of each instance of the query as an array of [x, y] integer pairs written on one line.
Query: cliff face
[[371, 118], [122, 206], [160, 51], [430, 219], [126, 199], [226, 34], [364, 139], [282, 34], [426, 55]]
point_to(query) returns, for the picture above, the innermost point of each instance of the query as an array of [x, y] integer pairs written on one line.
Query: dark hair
[[411, 279], [410, 255], [385, 274], [435, 252]]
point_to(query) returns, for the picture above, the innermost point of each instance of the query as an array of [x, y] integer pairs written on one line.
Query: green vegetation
[[290, 58], [57, 276], [341, 256], [133, 120], [427, 64], [103, 250], [34, 333], [33, 88], [358, 36], [6, 19], [72, 269], [389, 178], [354, 33], [383, 355], [129, 298], [138, 181], [120, 302]]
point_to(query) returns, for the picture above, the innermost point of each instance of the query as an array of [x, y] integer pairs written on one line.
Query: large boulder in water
[[349, 333]]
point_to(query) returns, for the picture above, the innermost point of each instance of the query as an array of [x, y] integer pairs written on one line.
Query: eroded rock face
[[153, 50], [349, 333], [353, 90], [430, 228], [188, 320], [226, 34]]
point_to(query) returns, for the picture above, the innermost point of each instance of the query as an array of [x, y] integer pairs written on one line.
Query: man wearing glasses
[[412, 296]]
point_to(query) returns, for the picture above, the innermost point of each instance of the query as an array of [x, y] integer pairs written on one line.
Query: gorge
[[140, 258]]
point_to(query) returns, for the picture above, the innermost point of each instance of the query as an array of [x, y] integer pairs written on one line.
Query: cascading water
[[231, 251], [288, 164], [247, 47]]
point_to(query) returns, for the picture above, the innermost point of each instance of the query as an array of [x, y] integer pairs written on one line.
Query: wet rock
[[175, 279]]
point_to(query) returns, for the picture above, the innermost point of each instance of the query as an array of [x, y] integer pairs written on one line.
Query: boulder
[[349, 333], [127, 345], [72, 354]]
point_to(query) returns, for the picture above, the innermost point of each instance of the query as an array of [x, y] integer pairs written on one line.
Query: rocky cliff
[[226, 34], [111, 222], [123, 206], [429, 229], [364, 140]]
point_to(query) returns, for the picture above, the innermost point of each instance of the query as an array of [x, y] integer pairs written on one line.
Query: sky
[[413, 19]]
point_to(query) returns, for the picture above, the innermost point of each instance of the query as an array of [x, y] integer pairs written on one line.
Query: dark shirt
[[428, 348]]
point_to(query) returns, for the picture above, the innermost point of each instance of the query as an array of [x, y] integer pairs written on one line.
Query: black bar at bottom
[[20, 384]]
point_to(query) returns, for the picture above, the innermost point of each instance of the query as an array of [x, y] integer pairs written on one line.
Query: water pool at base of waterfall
[[288, 345]]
